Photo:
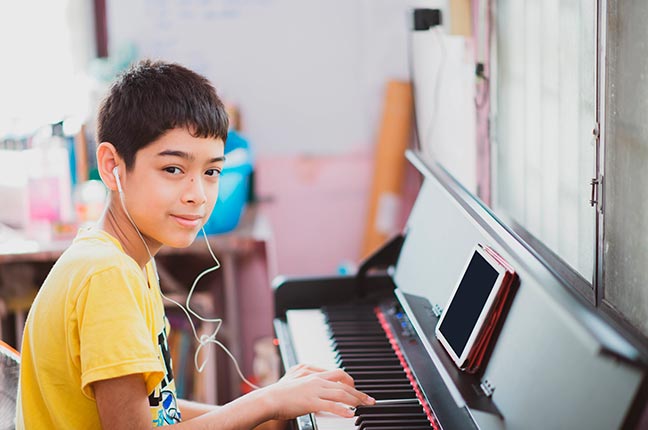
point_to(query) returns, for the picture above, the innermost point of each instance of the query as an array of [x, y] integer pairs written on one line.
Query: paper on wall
[[444, 94]]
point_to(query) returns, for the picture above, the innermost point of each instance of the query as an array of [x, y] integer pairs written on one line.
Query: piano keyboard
[[359, 341]]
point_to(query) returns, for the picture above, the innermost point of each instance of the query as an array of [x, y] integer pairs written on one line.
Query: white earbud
[[115, 172]]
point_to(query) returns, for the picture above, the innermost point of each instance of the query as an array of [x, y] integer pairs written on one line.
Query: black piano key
[[404, 416], [363, 328], [341, 334], [396, 424], [369, 353], [360, 341], [382, 381], [400, 427], [383, 393], [373, 325], [389, 409], [373, 368], [380, 359], [369, 385], [355, 341], [363, 349], [388, 374], [372, 329], [380, 394], [342, 318], [371, 360], [350, 350], [369, 366]]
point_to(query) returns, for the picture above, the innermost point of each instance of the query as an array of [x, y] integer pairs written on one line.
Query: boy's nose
[[195, 192]]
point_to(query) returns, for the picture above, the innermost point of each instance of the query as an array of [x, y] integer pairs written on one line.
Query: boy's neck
[[128, 237]]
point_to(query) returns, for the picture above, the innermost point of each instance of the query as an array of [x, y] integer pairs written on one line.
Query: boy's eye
[[213, 172], [173, 170]]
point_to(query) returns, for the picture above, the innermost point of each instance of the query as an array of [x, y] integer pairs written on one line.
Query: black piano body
[[554, 363]]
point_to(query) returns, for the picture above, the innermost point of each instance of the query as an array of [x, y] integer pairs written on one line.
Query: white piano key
[[328, 421], [312, 346], [310, 338]]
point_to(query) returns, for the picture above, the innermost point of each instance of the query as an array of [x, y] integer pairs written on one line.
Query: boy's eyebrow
[[187, 156]]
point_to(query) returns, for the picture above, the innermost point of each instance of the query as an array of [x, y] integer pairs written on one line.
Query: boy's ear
[[107, 160]]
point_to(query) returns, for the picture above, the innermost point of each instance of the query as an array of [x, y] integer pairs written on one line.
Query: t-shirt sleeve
[[115, 339]]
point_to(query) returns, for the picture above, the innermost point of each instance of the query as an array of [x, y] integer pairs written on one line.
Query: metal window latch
[[594, 183], [598, 180]]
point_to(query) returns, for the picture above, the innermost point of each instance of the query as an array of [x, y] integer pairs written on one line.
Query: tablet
[[468, 309]]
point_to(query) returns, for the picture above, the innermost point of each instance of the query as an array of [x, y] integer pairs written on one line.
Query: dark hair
[[151, 98]]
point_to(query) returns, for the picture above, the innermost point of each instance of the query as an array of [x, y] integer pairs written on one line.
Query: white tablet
[[468, 308]]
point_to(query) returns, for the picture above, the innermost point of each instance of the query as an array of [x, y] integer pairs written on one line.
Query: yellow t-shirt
[[96, 317]]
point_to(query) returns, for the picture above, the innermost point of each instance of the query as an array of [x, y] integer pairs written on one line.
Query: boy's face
[[173, 185]]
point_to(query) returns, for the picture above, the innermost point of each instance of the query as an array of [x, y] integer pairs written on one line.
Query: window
[[543, 116], [42, 78], [545, 108]]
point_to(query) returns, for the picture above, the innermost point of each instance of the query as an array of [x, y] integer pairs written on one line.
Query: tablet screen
[[469, 300]]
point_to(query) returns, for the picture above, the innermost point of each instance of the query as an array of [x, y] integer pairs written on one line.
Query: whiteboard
[[308, 75]]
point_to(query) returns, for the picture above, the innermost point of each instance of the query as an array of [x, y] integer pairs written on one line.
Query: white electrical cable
[[204, 339]]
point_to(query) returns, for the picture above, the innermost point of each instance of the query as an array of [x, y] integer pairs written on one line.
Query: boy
[[93, 352]]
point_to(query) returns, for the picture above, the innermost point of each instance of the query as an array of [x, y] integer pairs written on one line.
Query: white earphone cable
[[204, 339]]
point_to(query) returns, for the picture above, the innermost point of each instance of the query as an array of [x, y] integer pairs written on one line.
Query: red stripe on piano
[[392, 340]]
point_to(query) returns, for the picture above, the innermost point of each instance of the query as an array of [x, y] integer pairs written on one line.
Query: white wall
[[308, 75]]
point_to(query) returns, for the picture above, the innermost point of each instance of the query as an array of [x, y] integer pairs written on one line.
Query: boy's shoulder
[[94, 248]]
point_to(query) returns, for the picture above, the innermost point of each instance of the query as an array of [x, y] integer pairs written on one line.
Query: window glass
[[543, 117]]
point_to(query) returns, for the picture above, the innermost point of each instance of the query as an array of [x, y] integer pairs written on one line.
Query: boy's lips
[[188, 220]]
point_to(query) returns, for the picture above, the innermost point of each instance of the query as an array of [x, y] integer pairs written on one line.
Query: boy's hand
[[306, 389], [302, 370]]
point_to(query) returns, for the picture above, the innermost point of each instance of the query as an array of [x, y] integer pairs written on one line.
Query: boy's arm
[[123, 402], [190, 409]]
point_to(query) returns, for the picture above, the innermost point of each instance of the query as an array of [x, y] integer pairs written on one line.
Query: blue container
[[234, 186]]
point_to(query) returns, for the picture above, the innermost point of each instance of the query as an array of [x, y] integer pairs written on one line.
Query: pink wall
[[317, 207]]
